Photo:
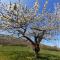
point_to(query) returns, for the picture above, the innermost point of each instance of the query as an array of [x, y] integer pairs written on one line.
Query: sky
[[29, 4]]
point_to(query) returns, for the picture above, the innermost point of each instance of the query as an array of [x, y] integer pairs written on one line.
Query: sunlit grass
[[26, 53]]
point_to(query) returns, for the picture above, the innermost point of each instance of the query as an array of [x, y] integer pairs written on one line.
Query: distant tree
[[27, 23]]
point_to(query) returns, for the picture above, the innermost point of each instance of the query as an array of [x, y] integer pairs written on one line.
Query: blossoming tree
[[26, 23]]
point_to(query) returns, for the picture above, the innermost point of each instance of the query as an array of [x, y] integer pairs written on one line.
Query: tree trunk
[[37, 49]]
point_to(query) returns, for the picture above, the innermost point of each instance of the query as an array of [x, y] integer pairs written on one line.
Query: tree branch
[[40, 37], [29, 40]]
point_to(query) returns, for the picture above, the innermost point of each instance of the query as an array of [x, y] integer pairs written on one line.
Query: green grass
[[26, 53]]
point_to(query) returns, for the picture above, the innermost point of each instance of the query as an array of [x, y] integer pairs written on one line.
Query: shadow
[[49, 57], [26, 55]]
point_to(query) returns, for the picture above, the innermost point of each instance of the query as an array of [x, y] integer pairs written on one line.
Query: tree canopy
[[16, 16]]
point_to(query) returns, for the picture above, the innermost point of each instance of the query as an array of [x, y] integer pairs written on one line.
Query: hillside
[[17, 49], [9, 40], [26, 53]]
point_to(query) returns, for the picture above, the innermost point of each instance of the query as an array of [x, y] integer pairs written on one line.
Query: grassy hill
[[16, 49], [26, 53], [9, 40]]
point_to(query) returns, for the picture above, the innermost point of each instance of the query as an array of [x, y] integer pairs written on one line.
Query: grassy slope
[[26, 53]]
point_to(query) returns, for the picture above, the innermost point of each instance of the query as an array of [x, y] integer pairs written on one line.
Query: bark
[[37, 49], [29, 40]]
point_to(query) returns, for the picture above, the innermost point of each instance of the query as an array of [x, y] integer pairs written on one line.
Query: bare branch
[[29, 40]]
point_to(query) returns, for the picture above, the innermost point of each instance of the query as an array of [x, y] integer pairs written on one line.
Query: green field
[[26, 53]]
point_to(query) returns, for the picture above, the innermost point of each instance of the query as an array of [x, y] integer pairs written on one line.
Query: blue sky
[[29, 3], [50, 8]]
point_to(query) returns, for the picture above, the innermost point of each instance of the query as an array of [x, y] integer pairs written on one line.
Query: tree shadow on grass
[[49, 57], [26, 55]]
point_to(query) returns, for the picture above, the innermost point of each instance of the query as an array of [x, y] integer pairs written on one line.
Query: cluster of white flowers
[[36, 6], [57, 11]]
